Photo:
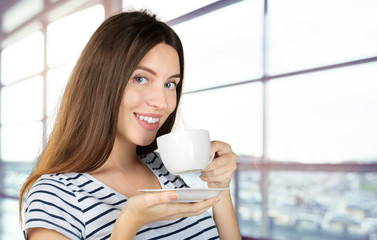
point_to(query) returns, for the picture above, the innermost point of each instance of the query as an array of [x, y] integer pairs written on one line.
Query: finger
[[220, 148], [223, 179], [160, 198], [217, 172], [179, 210], [229, 159]]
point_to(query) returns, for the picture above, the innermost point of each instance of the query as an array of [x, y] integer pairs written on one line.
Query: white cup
[[185, 151]]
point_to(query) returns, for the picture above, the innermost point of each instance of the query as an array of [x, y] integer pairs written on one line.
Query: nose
[[157, 98]]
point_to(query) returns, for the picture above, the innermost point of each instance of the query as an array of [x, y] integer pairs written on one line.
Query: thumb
[[164, 197]]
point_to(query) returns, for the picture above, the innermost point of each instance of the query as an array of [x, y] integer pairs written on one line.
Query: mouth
[[148, 121]]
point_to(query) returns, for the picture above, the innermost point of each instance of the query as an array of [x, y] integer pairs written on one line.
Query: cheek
[[172, 104]]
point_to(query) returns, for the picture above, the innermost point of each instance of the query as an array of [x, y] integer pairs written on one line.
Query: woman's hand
[[151, 207], [218, 173]]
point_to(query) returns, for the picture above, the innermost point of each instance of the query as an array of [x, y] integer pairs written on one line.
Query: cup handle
[[211, 158]]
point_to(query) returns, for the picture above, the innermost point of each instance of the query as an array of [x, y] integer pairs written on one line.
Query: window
[[32, 82], [290, 84]]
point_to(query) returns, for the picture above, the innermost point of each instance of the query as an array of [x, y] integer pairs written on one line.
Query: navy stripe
[[101, 203], [54, 224], [63, 190], [165, 174], [100, 228], [182, 229], [74, 178], [152, 161], [106, 237], [101, 215], [110, 195], [60, 208], [96, 190], [85, 183], [91, 207], [49, 179], [213, 238], [119, 202], [162, 226], [55, 216], [175, 179], [159, 167], [55, 195], [201, 232], [102, 198], [83, 198]]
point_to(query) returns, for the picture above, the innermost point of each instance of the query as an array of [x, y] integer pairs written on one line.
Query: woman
[[122, 94]]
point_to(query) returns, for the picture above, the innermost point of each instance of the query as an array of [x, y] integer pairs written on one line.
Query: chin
[[145, 142]]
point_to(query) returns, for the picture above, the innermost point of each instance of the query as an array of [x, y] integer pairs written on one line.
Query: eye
[[170, 85], [141, 80]]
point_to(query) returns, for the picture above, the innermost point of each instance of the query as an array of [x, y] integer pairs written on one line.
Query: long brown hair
[[85, 128]]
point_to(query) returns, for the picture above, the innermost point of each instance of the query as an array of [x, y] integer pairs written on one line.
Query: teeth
[[148, 119]]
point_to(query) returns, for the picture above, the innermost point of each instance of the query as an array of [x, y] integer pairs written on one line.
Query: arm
[[44, 234], [225, 217], [138, 211], [151, 207], [218, 175]]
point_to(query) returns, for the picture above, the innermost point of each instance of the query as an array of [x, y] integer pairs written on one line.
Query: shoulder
[[51, 186], [60, 186], [51, 203]]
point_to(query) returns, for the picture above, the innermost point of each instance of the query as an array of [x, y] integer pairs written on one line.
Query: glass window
[[224, 46], [322, 205], [233, 115], [10, 229], [21, 142], [163, 8], [22, 59], [22, 101], [15, 174], [19, 13], [313, 33], [249, 210], [328, 116], [72, 32]]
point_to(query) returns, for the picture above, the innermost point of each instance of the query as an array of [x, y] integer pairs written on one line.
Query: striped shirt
[[81, 207]]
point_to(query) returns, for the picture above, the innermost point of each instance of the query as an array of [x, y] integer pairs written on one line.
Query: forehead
[[161, 53]]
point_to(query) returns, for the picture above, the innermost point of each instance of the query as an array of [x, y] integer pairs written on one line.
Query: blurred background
[[290, 84]]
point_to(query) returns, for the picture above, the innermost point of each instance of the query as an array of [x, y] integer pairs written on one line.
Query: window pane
[[220, 49], [21, 142], [14, 175], [232, 115], [22, 101], [163, 8], [72, 32], [249, 210], [328, 116], [19, 13], [320, 205], [312, 33], [22, 59], [10, 229]]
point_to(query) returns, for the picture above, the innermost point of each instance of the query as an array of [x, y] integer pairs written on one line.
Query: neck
[[122, 156]]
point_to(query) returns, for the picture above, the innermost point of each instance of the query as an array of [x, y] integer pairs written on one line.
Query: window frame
[[265, 166]]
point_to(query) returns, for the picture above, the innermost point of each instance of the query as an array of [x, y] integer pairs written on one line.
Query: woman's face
[[150, 96]]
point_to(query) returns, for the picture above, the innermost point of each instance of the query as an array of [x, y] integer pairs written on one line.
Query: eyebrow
[[154, 73]]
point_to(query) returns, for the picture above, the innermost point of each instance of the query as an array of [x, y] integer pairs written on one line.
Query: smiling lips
[[148, 121]]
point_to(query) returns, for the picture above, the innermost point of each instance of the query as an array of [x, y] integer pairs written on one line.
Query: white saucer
[[189, 194]]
